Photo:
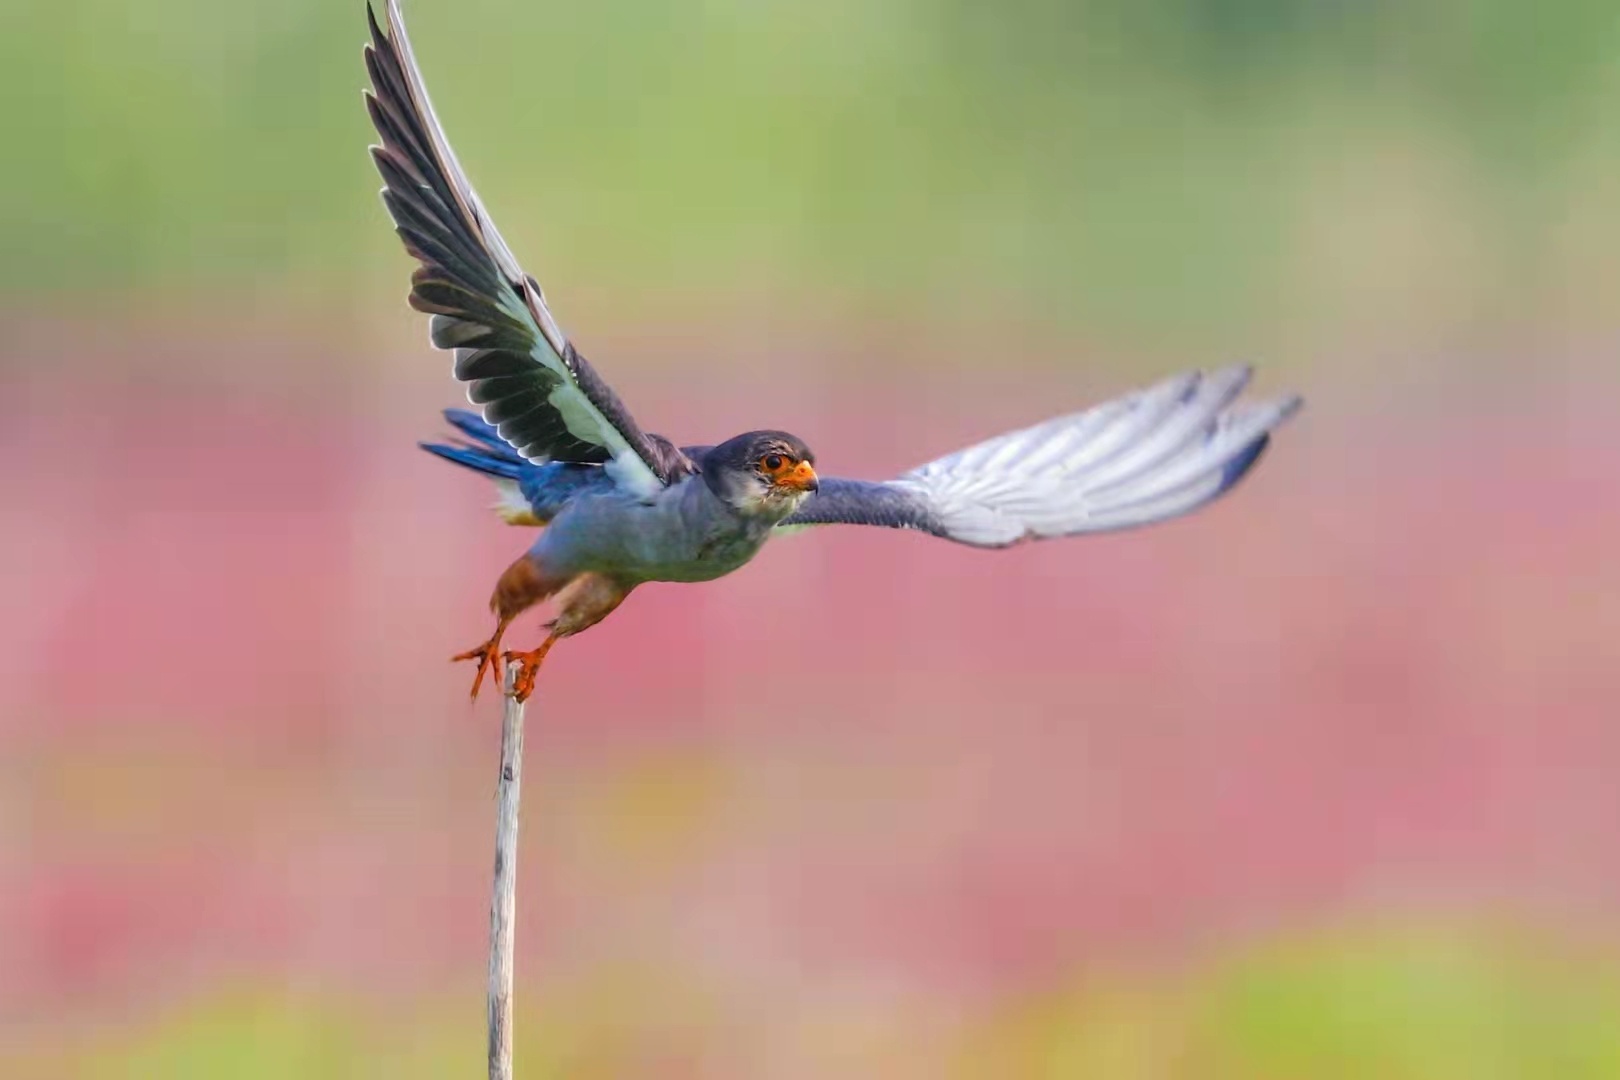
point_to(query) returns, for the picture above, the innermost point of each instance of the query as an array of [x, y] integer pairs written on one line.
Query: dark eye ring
[[772, 462]]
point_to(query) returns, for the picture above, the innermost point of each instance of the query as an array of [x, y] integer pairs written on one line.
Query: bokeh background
[[1318, 783]]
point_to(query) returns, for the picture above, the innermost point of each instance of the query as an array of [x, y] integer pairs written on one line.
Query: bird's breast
[[683, 534]]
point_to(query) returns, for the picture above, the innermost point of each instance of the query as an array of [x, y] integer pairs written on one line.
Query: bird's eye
[[772, 462]]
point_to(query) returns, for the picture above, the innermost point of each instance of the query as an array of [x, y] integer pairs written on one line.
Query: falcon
[[619, 506]]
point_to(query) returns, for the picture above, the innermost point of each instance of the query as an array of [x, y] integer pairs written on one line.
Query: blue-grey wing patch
[[532, 384], [548, 488], [889, 504], [1145, 457], [529, 494]]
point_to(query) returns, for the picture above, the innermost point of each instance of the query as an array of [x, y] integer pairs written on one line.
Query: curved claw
[[523, 685], [487, 655]]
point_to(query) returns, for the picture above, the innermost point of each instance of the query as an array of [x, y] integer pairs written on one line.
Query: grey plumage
[[1144, 457], [1141, 458], [542, 396], [622, 506]]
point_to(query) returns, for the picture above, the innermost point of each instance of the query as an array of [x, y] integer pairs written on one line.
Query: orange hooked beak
[[802, 477]]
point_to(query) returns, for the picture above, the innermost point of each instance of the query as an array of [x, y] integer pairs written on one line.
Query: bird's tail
[[486, 451]]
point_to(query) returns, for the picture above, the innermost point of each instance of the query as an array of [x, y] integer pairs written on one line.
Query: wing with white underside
[[529, 380], [1145, 457]]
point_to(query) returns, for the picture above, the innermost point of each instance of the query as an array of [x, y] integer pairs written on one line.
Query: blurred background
[[1317, 783]]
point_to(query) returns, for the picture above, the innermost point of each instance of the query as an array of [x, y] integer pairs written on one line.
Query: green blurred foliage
[[1417, 1003], [1109, 159], [1426, 1003]]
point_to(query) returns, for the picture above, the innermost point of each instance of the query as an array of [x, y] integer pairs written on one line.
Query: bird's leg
[[588, 600], [520, 587], [523, 685], [487, 655]]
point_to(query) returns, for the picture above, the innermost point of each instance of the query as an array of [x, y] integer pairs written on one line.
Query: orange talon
[[523, 685], [486, 655]]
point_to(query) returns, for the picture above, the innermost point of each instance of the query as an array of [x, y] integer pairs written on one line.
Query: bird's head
[[761, 473]]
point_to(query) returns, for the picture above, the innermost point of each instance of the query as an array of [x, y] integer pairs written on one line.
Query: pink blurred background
[[867, 791], [1319, 782]]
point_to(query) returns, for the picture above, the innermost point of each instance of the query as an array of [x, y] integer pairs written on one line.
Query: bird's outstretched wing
[[1145, 457], [529, 380]]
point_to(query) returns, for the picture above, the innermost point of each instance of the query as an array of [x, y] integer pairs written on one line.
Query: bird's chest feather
[[681, 536]]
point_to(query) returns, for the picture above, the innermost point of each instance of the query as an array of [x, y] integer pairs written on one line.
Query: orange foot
[[487, 656], [523, 685]]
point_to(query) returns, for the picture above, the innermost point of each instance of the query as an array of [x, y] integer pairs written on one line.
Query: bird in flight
[[618, 506]]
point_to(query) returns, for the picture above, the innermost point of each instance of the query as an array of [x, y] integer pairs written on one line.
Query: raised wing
[[1141, 458], [538, 391]]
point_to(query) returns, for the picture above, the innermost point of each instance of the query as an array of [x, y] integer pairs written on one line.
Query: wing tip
[[1269, 414], [1241, 464], [377, 36], [1245, 459], [1236, 377]]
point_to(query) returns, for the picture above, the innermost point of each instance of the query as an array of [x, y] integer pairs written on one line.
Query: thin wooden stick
[[503, 901]]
